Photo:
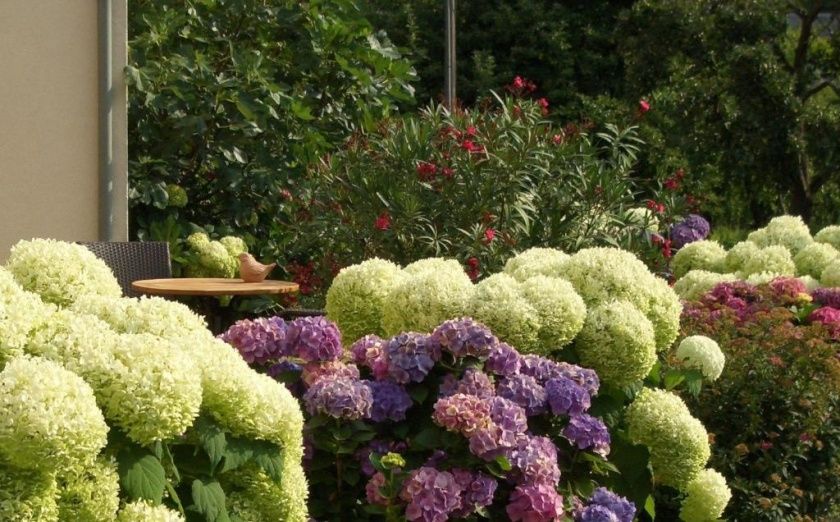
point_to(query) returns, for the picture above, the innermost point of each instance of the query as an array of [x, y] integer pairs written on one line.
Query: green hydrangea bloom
[[234, 245], [706, 497], [153, 315], [356, 298], [536, 261], [695, 283], [772, 259], [177, 196], [50, 419], [831, 275], [787, 231], [255, 497], [197, 240], [813, 259], [60, 272], [702, 353], [643, 218], [20, 313], [27, 496], [499, 303], [601, 275], [738, 256], [700, 255], [431, 292], [829, 235], [810, 283], [142, 511], [254, 405], [560, 309], [762, 278], [91, 494], [617, 341], [678, 443]]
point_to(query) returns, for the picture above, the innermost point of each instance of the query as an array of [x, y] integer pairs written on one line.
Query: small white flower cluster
[[144, 365]]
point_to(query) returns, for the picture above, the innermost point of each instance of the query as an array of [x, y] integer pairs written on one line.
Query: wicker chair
[[134, 260]]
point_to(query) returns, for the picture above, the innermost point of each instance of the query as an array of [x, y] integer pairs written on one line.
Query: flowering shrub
[[773, 411], [206, 258], [474, 185], [109, 401]]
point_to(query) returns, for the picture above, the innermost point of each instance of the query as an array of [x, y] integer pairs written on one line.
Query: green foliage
[[229, 99]]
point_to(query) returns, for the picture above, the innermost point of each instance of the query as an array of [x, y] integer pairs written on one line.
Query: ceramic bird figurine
[[251, 270]]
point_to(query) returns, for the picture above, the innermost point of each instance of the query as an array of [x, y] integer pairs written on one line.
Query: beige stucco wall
[[49, 120]]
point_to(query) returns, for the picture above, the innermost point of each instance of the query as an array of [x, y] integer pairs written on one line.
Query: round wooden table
[[212, 287], [218, 316]]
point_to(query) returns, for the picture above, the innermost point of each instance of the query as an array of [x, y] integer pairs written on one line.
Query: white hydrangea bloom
[[49, 416], [151, 315], [787, 231], [814, 258], [738, 256], [142, 511], [831, 275], [433, 264], [706, 497], [642, 217], [560, 309], [536, 261], [20, 313], [774, 259], [760, 278], [498, 303], [695, 283], [702, 353], [810, 283], [829, 235], [91, 494], [60, 272], [27, 496], [706, 255]]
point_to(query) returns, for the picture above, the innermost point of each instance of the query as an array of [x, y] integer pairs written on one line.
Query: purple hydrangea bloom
[[461, 413], [493, 441], [588, 432], [282, 367], [543, 370], [503, 360], [536, 460], [827, 297], [477, 490], [464, 337], [524, 391], [390, 401], [535, 503], [314, 339], [315, 371], [596, 513], [692, 228], [473, 382], [370, 351], [373, 490], [432, 495], [410, 357], [294, 384], [437, 458], [624, 510], [340, 398], [508, 415], [566, 397], [259, 340]]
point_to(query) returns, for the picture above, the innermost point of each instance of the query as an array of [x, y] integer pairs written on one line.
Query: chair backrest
[[134, 260]]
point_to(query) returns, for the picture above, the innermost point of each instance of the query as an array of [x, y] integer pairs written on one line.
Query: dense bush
[[229, 100], [114, 403], [774, 411]]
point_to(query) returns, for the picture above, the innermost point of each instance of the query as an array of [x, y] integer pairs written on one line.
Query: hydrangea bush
[[112, 403], [773, 410]]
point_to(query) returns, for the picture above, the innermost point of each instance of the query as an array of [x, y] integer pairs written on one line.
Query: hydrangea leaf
[[141, 475], [209, 500]]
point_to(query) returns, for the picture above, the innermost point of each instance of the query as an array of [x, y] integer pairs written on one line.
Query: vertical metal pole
[[106, 122], [450, 54]]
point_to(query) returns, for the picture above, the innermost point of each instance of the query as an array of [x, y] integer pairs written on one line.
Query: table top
[[210, 286]]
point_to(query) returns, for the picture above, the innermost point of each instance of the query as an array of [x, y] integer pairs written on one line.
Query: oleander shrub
[[129, 409], [773, 412]]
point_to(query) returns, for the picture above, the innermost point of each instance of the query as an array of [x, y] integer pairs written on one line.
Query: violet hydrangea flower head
[[314, 339], [432, 495], [503, 360], [314, 371], [284, 366], [411, 356], [566, 397], [587, 432], [473, 382], [340, 398], [536, 460], [827, 297], [477, 490], [525, 391], [596, 513], [464, 337], [535, 503], [462, 413], [373, 490], [508, 415], [258, 340], [623, 509], [370, 351], [390, 401], [692, 228], [494, 441], [543, 370]]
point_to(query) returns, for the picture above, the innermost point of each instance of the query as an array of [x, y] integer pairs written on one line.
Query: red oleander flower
[[447, 172], [557, 139], [543, 103], [644, 106], [472, 268], [472, 147], [471, 131], [426, 170], [489, 235], [672, 183], [383, 222], [666, 249]]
